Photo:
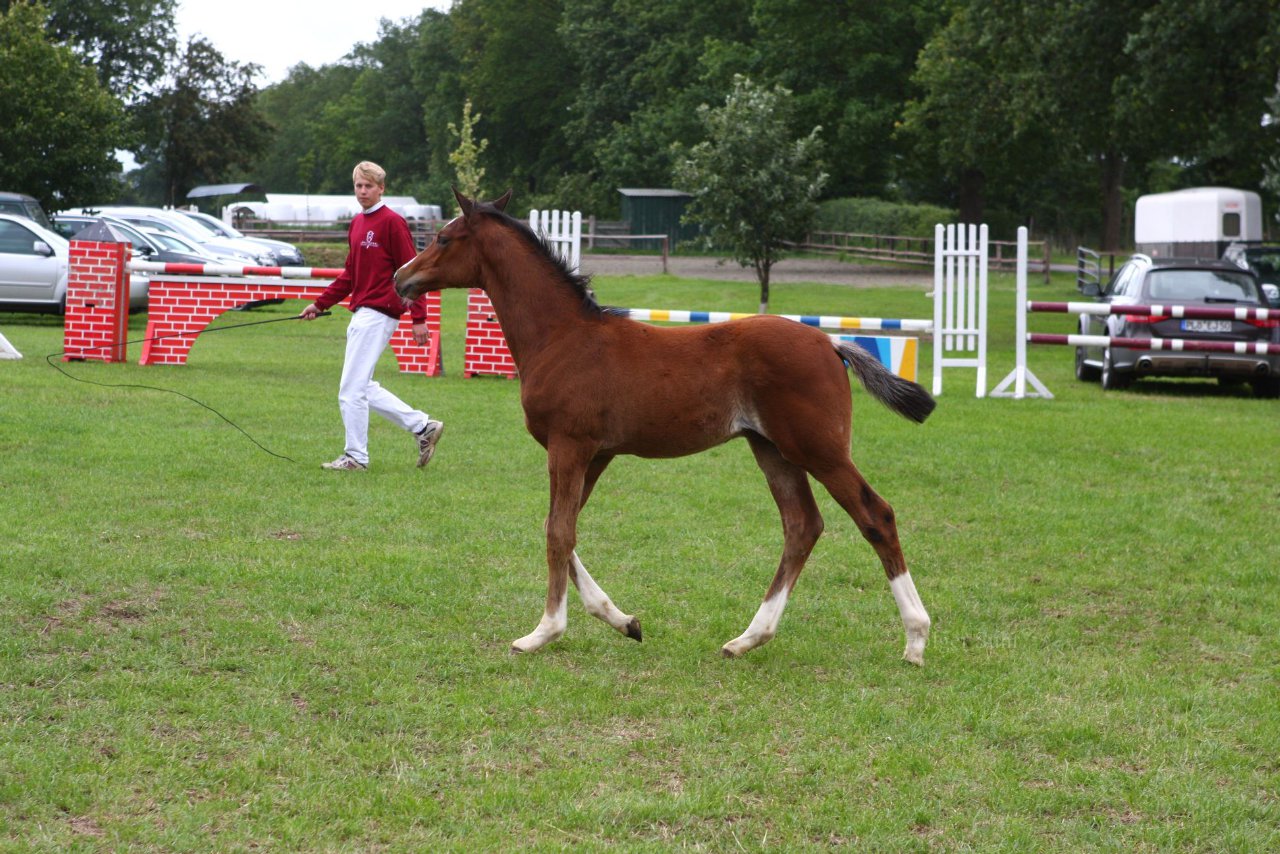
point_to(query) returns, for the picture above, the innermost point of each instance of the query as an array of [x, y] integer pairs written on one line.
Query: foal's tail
[[904, 397]]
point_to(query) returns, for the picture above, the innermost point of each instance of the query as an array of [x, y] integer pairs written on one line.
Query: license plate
[[1206, 326]]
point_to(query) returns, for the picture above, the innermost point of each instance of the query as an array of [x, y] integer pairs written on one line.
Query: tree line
[[1054, 112]]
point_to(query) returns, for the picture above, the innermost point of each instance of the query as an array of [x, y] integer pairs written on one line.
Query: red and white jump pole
[[1175, 311], [1021, 373], [1182, 344], [234, 270]]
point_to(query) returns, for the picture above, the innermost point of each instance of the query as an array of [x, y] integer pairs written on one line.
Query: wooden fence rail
[[880, 247], [908, 250]]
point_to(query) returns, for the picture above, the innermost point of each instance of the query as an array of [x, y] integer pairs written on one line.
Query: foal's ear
[[464, 204], [501, 203]]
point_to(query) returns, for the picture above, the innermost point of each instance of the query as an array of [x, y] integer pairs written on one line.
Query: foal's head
[[453, 260]]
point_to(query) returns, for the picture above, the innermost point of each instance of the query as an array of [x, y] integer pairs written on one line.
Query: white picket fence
[[563, 230]]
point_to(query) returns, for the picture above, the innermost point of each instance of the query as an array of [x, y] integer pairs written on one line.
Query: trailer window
[[1231, 225]]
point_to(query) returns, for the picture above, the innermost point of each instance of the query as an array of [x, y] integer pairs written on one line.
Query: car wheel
[[1085, 373], [1267, 387], [1112, 380]]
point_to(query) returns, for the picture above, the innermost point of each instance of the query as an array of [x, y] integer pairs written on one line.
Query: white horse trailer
[[1196, 223]]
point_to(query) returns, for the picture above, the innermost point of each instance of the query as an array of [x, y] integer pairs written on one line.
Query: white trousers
[[367, 337]]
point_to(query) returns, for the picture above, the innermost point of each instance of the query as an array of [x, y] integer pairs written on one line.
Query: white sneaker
[[427, 438], [345, 463]]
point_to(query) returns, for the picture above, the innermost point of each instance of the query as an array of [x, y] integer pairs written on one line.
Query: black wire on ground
[[49, 359]]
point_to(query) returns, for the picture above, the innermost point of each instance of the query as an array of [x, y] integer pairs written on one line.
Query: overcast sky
[[278, 35]]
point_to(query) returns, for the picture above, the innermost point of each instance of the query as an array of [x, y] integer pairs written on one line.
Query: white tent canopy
[[296, 208]]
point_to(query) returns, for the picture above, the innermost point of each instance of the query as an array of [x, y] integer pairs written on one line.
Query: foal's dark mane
[[580, 284]]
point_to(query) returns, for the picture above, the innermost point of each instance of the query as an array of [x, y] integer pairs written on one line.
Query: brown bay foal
[[595, 384]]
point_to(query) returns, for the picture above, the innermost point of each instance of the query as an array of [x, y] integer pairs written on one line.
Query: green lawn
[[205, 648]]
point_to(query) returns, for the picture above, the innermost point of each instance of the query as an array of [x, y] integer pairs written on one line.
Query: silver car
[[34, 269], [246, 252], [1144, 281], [285, 254]]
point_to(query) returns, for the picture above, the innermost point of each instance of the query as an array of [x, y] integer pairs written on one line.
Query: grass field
[[205, 648]]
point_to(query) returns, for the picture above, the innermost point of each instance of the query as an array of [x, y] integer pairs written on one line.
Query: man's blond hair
[[370, 171]]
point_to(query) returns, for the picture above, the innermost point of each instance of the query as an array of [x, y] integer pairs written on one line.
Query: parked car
[[177, 244], [243, 251], [1263, 260], [286, 254], [20, 204], [174, 248], [1143, 281], [154, 246], [34, 268]]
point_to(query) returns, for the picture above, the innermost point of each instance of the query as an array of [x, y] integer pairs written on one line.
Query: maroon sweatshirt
[[379, 244]]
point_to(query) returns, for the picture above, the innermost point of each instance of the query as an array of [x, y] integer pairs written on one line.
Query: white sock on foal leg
[[598, 603], [914, 617], [764, 625], [550, 627]]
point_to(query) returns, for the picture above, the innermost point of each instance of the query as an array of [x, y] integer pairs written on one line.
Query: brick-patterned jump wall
[[97, 319], [182, 306], [486, 348]]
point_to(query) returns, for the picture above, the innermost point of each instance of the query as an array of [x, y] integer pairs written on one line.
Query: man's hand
[[310, 312], [421, 335]]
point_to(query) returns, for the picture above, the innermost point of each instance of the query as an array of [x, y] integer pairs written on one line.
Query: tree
[[641, 69], [126, 42], [61, 127], [516, 72], [849, 65], [437, 75], [1206, 69], [305, 154], [969, 120], [754, 186], [200, 126], [465, 159]]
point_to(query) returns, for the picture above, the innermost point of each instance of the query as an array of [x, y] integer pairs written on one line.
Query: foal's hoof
[[914, 652], [633, 630]]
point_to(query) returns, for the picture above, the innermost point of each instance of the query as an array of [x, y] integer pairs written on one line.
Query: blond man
[[379, 243]]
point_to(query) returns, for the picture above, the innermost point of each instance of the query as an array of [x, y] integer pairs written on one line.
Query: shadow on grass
[[1199, 387]]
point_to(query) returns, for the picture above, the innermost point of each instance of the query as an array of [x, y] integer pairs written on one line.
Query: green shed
[[652, 211]]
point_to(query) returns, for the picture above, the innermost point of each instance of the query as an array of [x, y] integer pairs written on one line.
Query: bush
[[876, 216]]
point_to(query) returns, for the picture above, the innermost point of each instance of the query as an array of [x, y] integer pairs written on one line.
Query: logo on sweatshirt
[[368, 242]]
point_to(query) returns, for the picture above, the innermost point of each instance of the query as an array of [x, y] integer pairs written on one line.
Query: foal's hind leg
[[874, 518], [801, 527], [598, 603], [594, 599]]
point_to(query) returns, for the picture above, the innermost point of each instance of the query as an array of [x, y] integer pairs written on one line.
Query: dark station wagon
[[1144, 281]]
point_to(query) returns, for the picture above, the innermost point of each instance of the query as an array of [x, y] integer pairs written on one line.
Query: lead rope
[[49, 360]]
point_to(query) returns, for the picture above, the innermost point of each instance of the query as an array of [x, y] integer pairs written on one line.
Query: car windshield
[[215, 227], [173, 242], [170, 225], [1206, 285], [30, 210]]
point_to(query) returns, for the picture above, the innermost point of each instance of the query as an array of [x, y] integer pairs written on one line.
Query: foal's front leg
[[568, 468]]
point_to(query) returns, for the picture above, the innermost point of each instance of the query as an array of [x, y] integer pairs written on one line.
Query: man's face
[[368, 193]]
